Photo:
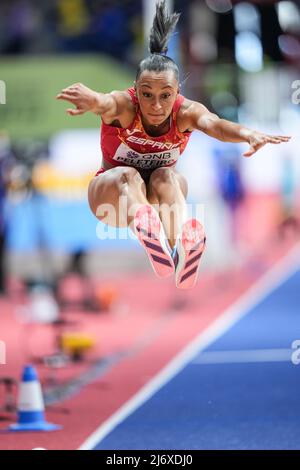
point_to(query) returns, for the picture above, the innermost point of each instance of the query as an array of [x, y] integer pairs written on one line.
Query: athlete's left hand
[[257, 140]]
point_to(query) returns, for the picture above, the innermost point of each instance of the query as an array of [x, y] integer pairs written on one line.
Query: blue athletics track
[[234, 387]]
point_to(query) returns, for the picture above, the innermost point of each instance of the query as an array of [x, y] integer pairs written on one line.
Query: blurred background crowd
[[29, 27], [239, 58]]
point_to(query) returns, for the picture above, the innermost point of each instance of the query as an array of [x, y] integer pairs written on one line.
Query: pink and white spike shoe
[[151, 235], [189, 249]]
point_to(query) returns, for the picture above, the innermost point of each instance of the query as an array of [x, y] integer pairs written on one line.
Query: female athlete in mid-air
[[144, 131]]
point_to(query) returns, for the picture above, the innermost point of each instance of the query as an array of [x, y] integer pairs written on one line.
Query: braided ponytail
[[163, 26], [162, 29]]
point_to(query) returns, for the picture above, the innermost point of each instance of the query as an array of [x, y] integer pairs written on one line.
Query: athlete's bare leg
[[168, 189], [115, 195], [118, 198]]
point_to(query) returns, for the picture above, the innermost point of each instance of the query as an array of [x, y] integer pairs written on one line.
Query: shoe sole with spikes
[[150, 233], [190, 247]]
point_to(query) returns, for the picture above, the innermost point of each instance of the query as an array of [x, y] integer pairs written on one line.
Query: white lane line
[[276, 276], [244, 356]]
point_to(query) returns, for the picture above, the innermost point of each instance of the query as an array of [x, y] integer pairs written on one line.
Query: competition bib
[[145, 161]]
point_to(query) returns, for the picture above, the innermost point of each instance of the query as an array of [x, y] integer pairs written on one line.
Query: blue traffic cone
[[31, 415]]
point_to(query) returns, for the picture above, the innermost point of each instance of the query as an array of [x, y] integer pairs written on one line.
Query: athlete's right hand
[[81, 96]]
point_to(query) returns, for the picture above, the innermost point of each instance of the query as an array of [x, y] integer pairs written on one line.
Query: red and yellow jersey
[[134, 147]]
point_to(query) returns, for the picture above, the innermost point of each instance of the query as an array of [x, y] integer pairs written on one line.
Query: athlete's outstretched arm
[[86, 100], [202, 119]]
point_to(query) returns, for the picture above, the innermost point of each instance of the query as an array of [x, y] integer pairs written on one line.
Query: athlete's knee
[[108, 193], [103, 190], [126, 176], [162, 176]]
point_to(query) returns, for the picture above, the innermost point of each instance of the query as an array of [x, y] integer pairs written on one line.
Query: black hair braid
[[162, 28]]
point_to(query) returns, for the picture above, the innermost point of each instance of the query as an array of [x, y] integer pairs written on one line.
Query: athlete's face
[[156, 92]]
